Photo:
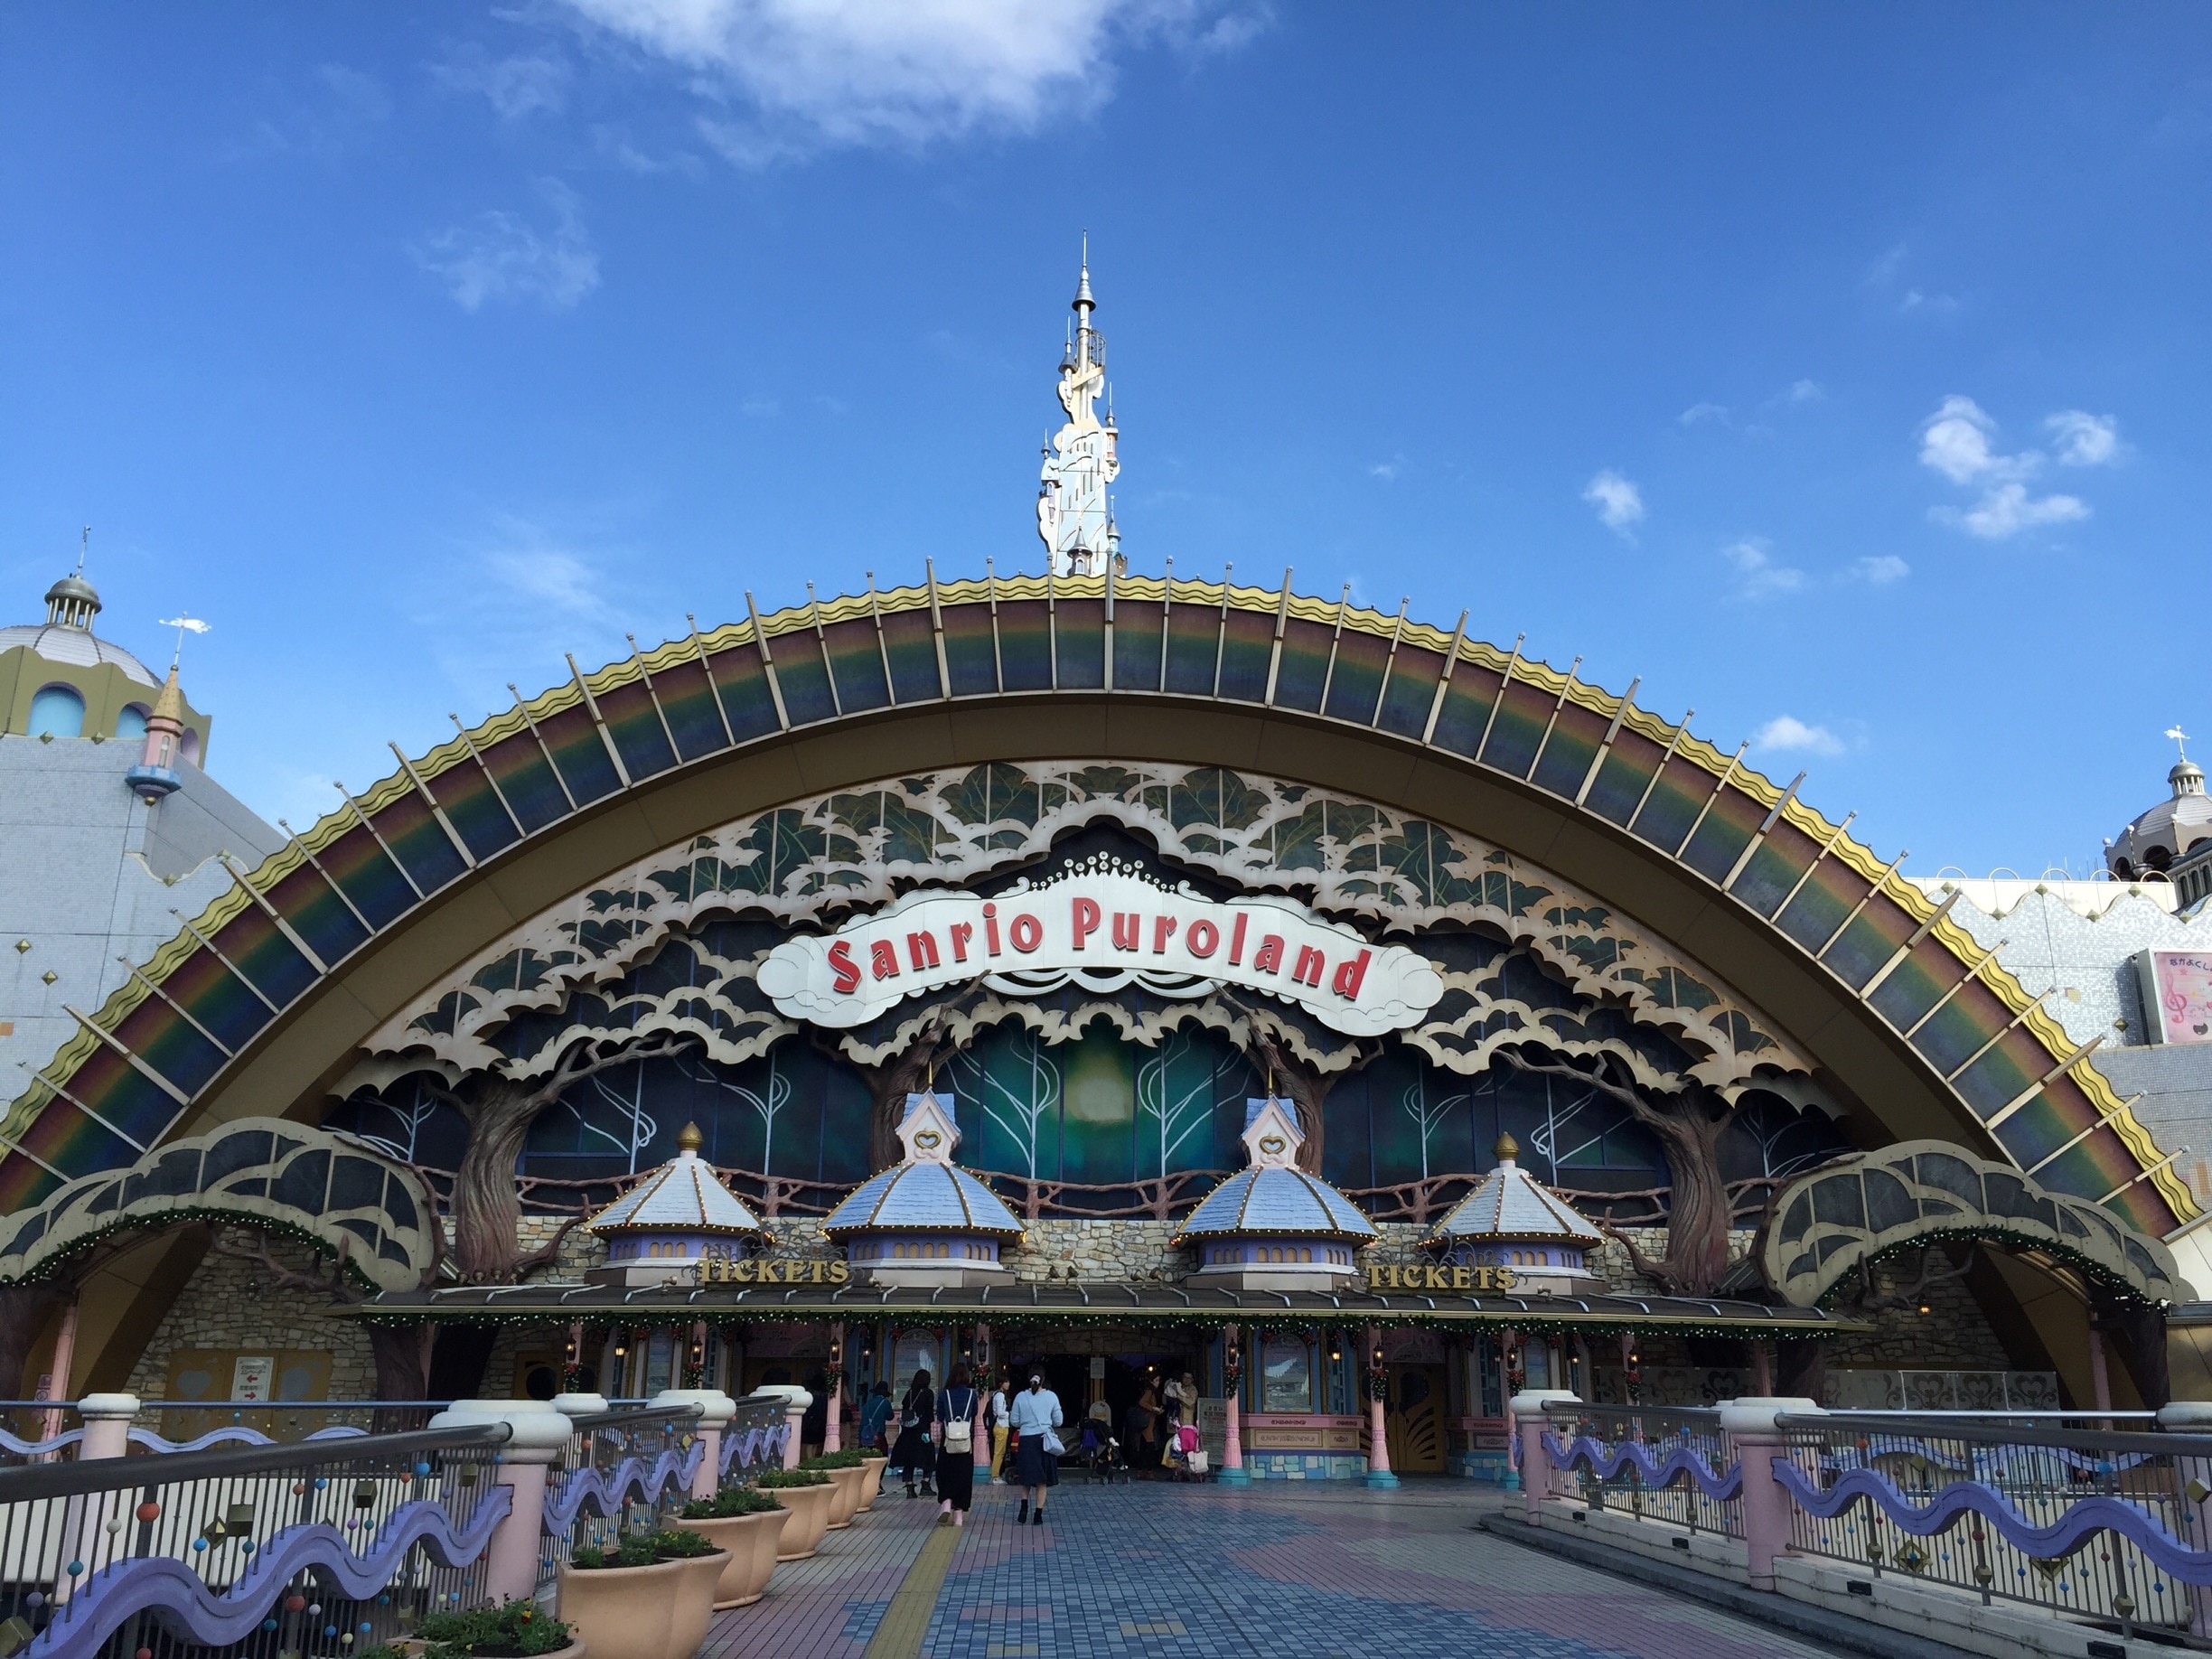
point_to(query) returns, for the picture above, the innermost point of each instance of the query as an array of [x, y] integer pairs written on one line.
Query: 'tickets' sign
[[1101, 927]]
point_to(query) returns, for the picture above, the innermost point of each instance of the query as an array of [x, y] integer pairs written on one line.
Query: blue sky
[[1840, 374]]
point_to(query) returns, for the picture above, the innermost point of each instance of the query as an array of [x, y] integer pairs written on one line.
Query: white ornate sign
[[1102, 926]]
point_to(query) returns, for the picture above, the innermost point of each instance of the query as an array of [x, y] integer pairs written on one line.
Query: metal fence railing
[[2096, 1526], [1668, 1464], [258, 1551]]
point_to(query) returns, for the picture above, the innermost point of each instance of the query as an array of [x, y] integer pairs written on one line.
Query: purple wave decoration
[[231, 1432], [1606, 1466], [35, 1448], [2083, 1520], [605, 1490], [176, 1594]]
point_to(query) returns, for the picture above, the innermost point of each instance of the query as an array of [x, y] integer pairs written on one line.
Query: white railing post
[[1528, 1410], [107, 1434], [107, 1424], [537, 1434], [1755, 1442], [715, 1409]]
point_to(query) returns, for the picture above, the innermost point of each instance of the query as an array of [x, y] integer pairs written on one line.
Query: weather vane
[[2180, 737], [182, 624]]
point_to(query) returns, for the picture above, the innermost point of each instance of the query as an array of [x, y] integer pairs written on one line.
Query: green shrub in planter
[[729, 1503], [642, 1550], [847, 1459], [512, 1630], [771, 1479]]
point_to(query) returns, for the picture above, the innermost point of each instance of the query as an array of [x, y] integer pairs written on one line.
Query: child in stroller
[[1100, 1454]]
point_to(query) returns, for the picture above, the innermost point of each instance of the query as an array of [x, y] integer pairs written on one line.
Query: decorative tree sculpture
[[1689, 1127]]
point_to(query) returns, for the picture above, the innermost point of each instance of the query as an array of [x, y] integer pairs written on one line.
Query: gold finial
[[688, 1139], [1506, 1147]]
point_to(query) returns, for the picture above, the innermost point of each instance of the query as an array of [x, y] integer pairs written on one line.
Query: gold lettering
[[1507, 1279], [1436, 1279], [818, 1272], [1462, 1279], [1481, 1279], [1374, 1278], [838, 1272], [745, 1270]]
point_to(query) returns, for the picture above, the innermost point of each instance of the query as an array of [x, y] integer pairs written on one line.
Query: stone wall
[[234, 1307]]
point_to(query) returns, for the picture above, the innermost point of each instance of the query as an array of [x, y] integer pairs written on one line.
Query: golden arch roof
[[266, 996]]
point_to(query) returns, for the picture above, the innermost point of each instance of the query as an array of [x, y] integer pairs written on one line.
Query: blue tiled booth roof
[[1278, 1203], [924, 1198]]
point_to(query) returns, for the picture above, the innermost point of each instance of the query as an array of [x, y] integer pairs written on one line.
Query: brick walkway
[[1203, 1572]]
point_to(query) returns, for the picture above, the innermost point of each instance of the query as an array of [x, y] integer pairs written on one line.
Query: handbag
[[958, 1433], [1053, 1447]]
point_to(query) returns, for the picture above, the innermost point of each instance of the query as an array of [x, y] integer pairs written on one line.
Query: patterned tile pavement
[[1201, 1572]]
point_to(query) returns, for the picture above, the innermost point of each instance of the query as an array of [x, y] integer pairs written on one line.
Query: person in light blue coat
[[1035, 1417]]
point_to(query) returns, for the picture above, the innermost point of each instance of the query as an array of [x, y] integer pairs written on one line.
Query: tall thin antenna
[[84, 546]]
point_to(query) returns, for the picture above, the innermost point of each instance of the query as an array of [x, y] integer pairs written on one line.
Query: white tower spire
[[1074, 513]]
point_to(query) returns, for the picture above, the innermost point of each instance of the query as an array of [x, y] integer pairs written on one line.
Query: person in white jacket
[[1035, 1417]]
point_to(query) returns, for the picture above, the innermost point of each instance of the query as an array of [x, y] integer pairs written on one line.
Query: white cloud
[[809, 74], [1698, 414], [1762, 577], [2083, 439], [500, 254], [1787, 731], [1619, 503], [1388, 471], [1881, 569], [2007, 509], [1958, 441], [515, 86], [1805, 392], [549, 578]]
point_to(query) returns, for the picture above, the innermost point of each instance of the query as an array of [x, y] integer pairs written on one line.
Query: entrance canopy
[[1119, 1303]]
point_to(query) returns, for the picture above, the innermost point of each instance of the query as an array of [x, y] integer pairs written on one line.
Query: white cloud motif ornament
[[1102, 926]]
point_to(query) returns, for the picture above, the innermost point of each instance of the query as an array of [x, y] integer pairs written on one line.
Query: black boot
[[1038, 1518], [910, 1490], [1022, 1513]]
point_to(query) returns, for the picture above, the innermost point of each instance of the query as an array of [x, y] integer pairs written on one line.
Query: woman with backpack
[[957, 1409], [914, 1456]]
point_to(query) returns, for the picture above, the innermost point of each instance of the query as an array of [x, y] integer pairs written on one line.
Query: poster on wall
[[251, 1374], [2177, 993]]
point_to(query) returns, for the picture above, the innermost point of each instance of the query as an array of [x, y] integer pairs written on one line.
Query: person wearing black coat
[[914, 1456]]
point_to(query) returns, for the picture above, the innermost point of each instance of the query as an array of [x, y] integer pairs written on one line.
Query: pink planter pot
[[752, 1542], [847, 1503], [657, 1612], [809, 1512]]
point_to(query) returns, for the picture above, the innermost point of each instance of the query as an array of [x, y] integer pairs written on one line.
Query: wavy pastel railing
[[2084, 1518], [607, 1490], [39, 1449], [1606, 1465], [741, 1446], [1988, 1462], [171, 1591], [237, 1432]]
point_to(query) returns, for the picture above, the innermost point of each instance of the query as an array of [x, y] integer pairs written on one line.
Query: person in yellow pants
[[996, 1410]]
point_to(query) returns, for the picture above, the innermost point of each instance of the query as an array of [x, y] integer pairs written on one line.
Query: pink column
[[65, 1356], [535, 1437], [833, 1422], [795, 1403], [978, 1378], [1378, 1433], [1535, 1466], [107, 1434], [1232, 1471], [2100, 1378], [1755, 1443]]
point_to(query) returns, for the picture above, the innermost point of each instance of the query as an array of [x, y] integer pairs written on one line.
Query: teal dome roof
[[1278, 1203], [923, 1197]]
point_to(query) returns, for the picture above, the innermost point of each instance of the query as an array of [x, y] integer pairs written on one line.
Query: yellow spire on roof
[[169, 702]]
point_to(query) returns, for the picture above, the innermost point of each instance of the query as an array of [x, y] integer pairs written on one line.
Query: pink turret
[[156, 774]]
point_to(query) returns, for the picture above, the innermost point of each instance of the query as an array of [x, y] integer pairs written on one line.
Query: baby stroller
[[1185, 1455], [1098, 1454]]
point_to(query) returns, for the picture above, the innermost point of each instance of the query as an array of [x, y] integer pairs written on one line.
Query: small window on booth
[[131, 724], [57, 711]]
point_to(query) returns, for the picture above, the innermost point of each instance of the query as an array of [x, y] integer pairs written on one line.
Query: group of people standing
[[931, 1435]]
